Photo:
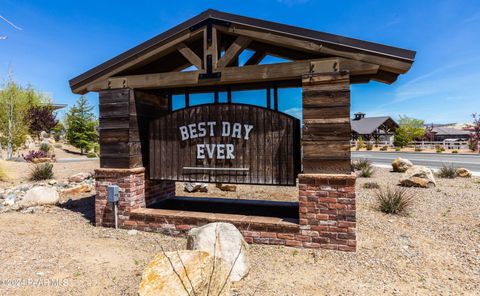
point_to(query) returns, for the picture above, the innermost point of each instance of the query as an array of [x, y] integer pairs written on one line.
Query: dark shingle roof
[[368, 125], [445, 131]]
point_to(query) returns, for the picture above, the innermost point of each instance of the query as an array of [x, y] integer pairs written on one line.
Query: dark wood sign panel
[[226, 143]]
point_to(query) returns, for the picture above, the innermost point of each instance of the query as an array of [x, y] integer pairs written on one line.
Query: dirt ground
[[434, 250]]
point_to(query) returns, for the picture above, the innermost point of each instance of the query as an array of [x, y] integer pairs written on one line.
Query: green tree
[[81, 125], [409, 130], [15, 102]]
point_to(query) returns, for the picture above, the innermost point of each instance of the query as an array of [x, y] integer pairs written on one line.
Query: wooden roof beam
[[235, 75], [256, 58], [191, 56], [233, 51]]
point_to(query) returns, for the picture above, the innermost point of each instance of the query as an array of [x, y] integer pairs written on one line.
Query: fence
[[448, 145]]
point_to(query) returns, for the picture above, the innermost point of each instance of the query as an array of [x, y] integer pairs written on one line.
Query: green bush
[[371, 185], [361, 164], [398, 149], [360, 143], [384, 148], [394, 201], [455, 151], [44, 147], [41, 172], [369, 146], [92, 155], [366, 172], [448, 172], [418, 149], [439, 148], [472, 145]]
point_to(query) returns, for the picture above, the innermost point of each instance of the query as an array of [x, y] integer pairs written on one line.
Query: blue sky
[[61, 39]]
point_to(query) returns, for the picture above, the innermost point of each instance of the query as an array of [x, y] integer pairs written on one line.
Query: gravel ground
[[434, 250]]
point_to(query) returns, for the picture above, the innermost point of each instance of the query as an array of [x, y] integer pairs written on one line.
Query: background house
[[381, 128]]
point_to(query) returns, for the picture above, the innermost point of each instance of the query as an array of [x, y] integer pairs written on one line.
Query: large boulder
[[41, 195], [225, 241], [167, 273], [401, 165], [418, 176], [463, 173], [80, 177]]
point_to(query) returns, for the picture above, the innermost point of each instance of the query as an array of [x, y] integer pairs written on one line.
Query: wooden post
[[326, 123]]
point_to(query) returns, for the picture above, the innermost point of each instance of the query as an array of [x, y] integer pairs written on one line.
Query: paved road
[[431, 160]]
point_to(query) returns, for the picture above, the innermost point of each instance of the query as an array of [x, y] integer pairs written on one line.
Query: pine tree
[[81, 125]]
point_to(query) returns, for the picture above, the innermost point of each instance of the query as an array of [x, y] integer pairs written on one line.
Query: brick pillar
[[327, 211]]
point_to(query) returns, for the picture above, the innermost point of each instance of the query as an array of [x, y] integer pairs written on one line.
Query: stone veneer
[[326, 206]]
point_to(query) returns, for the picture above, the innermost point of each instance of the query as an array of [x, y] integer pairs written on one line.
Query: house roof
[[346, 44], [445, 131], [368, 125]]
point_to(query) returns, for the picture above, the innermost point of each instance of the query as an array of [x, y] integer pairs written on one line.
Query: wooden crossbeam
[[235, 75], [233, 51], [192, 57], [256, 58]]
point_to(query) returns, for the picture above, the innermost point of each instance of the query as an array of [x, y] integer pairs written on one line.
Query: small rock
[[10, 199], [463, 173], [226, 187], [80, 177], [82, 188], [194, 187], [40, 273], [52, 182], [132, 232], [401, 165]]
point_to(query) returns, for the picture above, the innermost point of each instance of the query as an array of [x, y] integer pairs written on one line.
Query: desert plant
[[394, 201], [366, 172], [34, 154], [439, 148], [361, 163], [384, 148], [41, 172], [92, 155], [417, 149], [369, 146], [455, 151], [446, 171], [371, 185], [44, 147], [398, 149], [472, 145], [360, 143]]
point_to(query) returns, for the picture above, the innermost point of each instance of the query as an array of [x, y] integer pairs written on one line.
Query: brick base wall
[[327, 211], [135, 192]]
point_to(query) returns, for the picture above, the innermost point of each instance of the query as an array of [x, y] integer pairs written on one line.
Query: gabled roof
[[368, 125], [445, 131], [351, 46]]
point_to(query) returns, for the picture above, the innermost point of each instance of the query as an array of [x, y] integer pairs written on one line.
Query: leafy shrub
[[472, 145], [394, 201], [448, 172], [361, 164], [418, 149], [42, 171], [366, 172], [34, 154], [360, 143], [398, 149], [439, 148], [369, 146], [371, 185], [44, 147], [455, 151], [92, 155], [384, 148]]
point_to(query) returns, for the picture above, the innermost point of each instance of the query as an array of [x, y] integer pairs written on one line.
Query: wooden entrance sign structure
[[147, 142]]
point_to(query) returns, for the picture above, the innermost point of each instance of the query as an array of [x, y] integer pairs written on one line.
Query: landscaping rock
[[401, 165], [42, 160], [80, 177], [222, 240], [40, 195], [194, 187], [463, 173], [52, 182], [418, 176], [132, 232], [82, 188], [226, 187], [10, 199], [160, 276]]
